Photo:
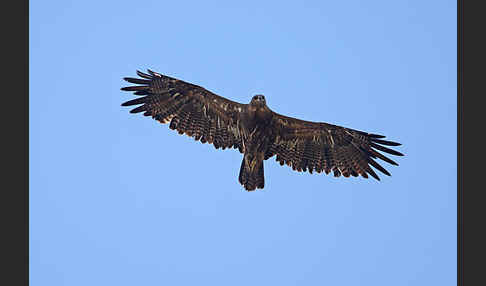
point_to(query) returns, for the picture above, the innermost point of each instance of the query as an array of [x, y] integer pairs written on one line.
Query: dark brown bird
[[258, 132]]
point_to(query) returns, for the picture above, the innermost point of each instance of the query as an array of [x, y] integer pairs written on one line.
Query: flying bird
[[258, 132]]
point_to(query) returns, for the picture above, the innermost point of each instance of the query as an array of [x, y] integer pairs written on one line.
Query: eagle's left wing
[[190, 109], [314, 146]]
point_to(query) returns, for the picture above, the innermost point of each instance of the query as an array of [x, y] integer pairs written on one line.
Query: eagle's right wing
[[190, 109], [318, 146]]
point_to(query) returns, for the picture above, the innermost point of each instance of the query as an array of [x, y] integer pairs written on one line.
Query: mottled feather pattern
[[189, 109], [321, 147], [258, 132]]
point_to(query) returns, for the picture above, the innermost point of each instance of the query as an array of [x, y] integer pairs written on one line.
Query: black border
[[15, 144], [460, 269], [471, 128]]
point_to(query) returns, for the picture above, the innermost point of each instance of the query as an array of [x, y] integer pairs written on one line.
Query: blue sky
[[119, 199]]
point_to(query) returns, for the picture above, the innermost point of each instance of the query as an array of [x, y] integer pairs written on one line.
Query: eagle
[[257, 132]]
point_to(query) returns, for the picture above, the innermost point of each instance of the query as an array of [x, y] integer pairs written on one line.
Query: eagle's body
[[256, 122], [258, 132]]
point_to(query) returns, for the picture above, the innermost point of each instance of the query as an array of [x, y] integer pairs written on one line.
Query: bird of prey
[[257, 132]]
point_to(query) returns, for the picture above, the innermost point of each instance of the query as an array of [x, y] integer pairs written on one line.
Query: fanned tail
[[252, 178]]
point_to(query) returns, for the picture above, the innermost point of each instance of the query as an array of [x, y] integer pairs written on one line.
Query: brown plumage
[[258, 132]]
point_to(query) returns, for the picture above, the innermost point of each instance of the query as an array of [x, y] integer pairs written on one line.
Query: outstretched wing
[[312, 146], [190, 109]]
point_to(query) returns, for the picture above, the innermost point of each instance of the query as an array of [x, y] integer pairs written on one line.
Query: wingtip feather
[[372, 173], [385, 149], [376, 135], [378, 167], [386, 142], [144, 75]]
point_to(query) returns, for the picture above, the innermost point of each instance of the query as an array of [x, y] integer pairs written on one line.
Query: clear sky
[[119, 199]]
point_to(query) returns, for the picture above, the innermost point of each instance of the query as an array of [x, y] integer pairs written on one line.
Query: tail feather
[[252, 179]]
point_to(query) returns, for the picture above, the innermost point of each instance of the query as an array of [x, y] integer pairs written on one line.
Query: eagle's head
[[258, 100]]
